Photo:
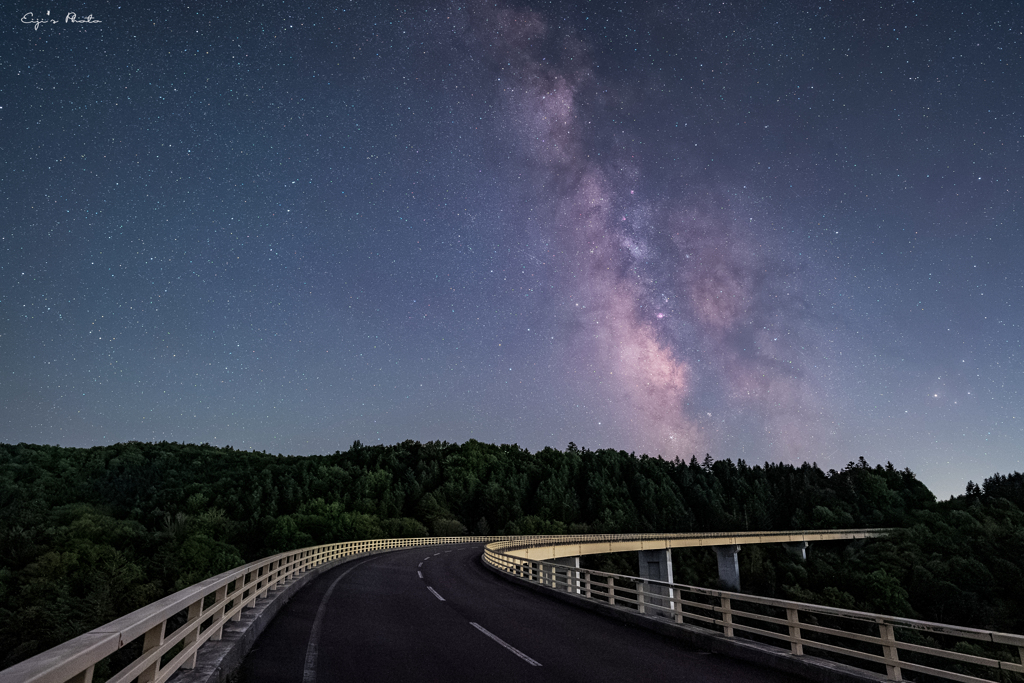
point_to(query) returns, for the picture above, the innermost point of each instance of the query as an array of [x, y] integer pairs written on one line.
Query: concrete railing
[[169, 633], [549, 547], [173, 629], [858, 639]]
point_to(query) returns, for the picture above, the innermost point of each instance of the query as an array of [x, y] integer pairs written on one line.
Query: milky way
[[769, 232], [652, 283]]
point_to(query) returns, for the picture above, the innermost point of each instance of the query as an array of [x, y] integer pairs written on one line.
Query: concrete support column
[[656, 565], [571, 577], [729, 565], [798, 549]]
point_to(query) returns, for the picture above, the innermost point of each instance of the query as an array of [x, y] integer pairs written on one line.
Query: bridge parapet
[[874, 643], [207, 607], [537, 548]]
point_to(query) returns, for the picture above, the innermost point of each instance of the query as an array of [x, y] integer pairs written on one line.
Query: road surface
[[436, 614]]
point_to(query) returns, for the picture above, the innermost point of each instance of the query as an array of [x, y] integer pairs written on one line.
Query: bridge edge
[[806, 666]]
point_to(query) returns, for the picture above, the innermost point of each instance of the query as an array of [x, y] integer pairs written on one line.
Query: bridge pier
[[572, 578], [729, 565], [656, 565], [799, 549]]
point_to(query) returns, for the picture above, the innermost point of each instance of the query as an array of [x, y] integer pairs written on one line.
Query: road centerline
[[436, 595], [526, 658]]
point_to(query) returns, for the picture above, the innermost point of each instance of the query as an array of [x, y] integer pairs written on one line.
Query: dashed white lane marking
[[436, 595], [529, 660], [436, 554], [313, 649], [420, 564], [420, 573]]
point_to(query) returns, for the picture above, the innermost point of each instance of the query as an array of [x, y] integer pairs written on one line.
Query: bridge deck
[[384, 623]]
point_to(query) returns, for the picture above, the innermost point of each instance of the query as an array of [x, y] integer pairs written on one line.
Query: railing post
[[611, 590], [727, 616], [793, 617], [889, 651], [640, 597], [677, 607], [586, 583], [153, 639], [218, 614], [237, 591], [85, 676], [195, 613]]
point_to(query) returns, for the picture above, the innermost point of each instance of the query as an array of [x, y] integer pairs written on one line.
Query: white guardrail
[[173, 629], [857, 639], [204, 609]]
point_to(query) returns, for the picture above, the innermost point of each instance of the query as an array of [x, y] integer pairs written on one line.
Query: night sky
[[779, 231]]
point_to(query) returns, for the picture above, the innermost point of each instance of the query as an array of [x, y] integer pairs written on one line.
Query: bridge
[[433, 607]]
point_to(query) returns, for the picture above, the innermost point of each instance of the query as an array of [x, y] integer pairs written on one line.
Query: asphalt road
[[436, 614]]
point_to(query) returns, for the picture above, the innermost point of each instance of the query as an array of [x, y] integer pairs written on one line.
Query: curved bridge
[[548, 547], [181, 631], [740, 624]]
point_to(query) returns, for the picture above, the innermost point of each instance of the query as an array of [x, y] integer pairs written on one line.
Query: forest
[[87, 535]]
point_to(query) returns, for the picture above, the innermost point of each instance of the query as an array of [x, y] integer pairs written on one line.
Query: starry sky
[[785, 231]]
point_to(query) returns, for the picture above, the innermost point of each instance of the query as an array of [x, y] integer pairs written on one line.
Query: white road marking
[[313, 649], [436, 554], [529, 660], [420, 564], [420, 573], [436, 595]]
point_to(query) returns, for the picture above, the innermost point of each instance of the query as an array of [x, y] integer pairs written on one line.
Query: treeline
[[89, 534]]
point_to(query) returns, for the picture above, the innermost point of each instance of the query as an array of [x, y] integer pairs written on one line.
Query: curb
[[218, 660]]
